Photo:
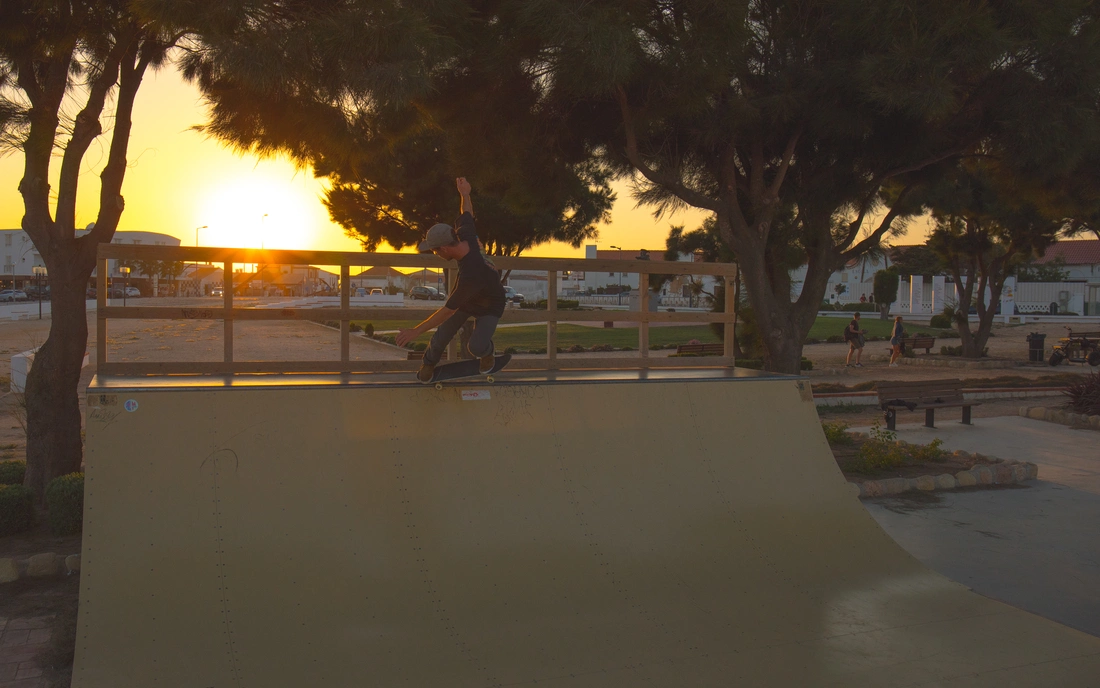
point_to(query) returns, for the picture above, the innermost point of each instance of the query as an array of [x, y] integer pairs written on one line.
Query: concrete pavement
[[1033, 546]]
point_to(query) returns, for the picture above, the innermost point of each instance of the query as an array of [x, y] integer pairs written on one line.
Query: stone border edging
[[958, 362], [37, 566], [1074, 420], [1003, 472]]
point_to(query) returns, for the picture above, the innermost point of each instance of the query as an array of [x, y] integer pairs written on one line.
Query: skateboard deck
[[466, 368]]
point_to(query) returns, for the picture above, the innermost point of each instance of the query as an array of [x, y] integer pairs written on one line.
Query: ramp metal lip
[[520, 378]]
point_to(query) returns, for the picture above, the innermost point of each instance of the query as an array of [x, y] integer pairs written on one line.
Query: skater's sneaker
[[859, 365], [486, 363], [425, 373]]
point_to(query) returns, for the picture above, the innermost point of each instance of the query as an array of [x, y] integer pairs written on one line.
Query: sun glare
[[265, 212]]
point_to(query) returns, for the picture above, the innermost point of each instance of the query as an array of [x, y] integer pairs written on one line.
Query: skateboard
[[466, 368]]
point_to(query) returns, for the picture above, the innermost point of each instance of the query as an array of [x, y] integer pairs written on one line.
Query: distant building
[[20, 255], [1081, 257]]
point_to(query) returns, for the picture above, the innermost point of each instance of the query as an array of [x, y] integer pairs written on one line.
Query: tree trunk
[[54, 443]]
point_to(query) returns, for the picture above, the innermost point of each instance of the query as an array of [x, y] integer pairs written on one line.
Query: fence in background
[[344, 313]]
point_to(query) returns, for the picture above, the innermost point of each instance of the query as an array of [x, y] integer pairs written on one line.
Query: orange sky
[[179, 180]]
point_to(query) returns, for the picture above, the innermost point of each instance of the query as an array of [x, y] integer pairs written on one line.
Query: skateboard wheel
[[489, 378], [439, 385]]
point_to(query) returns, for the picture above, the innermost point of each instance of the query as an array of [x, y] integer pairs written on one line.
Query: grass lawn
[[534, 336]]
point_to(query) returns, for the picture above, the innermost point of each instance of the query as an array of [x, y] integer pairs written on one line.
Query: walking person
[[477, 294], [855, 336], [896, 336]]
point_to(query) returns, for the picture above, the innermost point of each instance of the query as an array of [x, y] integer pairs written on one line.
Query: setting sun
[[260, 211]]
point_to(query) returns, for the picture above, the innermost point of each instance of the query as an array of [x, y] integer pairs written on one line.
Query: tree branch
[[676, 186]]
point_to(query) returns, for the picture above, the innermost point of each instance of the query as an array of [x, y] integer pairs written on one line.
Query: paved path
[[1035, 546], [21, 640]]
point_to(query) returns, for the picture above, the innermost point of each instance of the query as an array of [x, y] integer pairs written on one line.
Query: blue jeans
[[481, 341]]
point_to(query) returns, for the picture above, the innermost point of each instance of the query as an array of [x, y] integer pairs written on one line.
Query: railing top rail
[[213, 254]]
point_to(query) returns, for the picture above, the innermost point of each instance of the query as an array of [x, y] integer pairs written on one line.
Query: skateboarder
[[477, 293]]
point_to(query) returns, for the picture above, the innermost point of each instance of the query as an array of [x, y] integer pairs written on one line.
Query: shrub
[[1084, 396], [576, 349], [511, 350], [355, 327], [16, 509], [603, 347], [941, 321], [837, 433], [369, 329], [563, 305], [420, 346], [12, 472], [65, 504], [834, 338]]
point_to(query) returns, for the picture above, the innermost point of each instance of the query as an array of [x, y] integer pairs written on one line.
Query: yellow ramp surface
[[676, 530]]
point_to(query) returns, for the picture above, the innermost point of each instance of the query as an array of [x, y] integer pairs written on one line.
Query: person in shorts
[[855, 336], [477, 293], [896, 336]]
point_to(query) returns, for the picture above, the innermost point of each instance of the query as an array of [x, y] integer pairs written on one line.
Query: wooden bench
[[925, 343], [928, 395], [716, 349]]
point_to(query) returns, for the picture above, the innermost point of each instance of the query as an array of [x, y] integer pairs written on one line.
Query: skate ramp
[[667, 528]]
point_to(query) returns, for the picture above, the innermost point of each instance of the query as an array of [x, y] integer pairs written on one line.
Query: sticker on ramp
[[131, 405], [475, 394]]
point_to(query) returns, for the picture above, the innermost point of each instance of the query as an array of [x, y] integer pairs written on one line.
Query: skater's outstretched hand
[[406, 336], [463, 186]]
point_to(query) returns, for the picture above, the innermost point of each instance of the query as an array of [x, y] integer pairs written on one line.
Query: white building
[[20, 255]]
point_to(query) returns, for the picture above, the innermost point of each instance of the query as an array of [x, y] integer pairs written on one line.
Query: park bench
[[715, 349], [928, 395], [912, 343]]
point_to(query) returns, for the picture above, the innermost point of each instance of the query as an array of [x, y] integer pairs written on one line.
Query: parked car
[[426, 294], [90, 293], [115, 292], [377, 292], [133, 291], [512, 295], [12, 295], [217, 291]]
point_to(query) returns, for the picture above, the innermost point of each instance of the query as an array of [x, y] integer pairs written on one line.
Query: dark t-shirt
[[478, 290], [853, 329]]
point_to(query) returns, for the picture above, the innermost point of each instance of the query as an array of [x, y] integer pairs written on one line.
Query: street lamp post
[[39, 273], [263, 247], [125, 270], [620, 248]]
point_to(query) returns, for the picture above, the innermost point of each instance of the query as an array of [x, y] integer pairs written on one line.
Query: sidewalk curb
[[1073, 420]]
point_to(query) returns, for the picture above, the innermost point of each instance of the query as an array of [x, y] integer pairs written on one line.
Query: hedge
[[16, 509], [12, 472], [65, 504]]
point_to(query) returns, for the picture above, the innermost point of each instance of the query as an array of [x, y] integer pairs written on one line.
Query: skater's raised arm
[[466, 205], [434, 320]]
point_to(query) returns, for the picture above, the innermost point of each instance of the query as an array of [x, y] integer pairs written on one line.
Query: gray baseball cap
[[439, 235]]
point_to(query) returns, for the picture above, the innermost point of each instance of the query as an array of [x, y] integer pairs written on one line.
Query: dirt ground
[[53, 601]]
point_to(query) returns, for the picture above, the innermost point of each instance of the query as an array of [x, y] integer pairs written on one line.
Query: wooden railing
[[726, 273]]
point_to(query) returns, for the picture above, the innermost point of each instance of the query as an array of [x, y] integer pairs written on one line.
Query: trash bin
[[1035, 347]]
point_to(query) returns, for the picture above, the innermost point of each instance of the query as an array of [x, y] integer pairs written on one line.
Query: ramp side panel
[[570, 534]]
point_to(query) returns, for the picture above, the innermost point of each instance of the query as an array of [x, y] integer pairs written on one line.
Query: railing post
[[643, 316], [101, 317], [449, 278], [345, 304], [227, 319], [552, 319], [729, 330]]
